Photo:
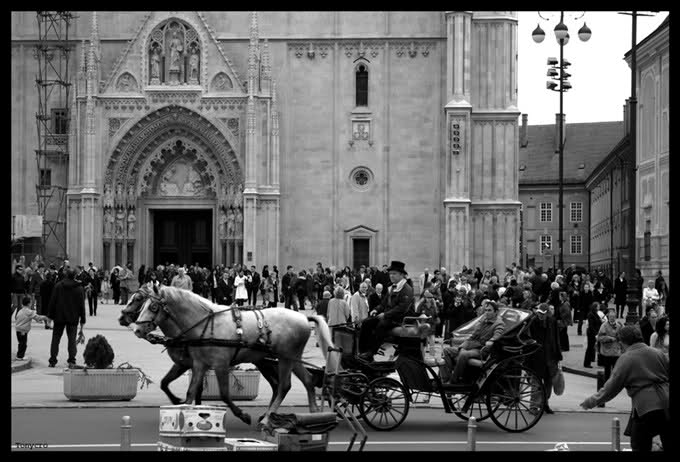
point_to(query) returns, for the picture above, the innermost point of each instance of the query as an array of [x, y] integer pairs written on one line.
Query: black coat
[[399, 304], [594, 323], [18, 283], [646, 329], [546, 333], [322, 307], [585, 300], [67, 304], [46, 289], [620, 290], [256, 280]]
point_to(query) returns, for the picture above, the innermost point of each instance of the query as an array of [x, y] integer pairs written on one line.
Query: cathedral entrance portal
[[182, 236]]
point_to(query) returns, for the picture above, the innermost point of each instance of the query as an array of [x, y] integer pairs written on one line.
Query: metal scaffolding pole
[[53, 85]]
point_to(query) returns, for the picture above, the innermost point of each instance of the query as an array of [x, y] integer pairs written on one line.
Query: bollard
[[616, 434], [125, 434], [472, 433]]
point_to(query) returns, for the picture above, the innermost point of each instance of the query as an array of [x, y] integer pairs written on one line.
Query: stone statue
[[193, 65], [230, 223], [155, 63], [239, 223], [120, 223], [238, 196], [108, 196], [131, 196], [223, 226], [108, 223], [176, 49], [120, 199], [131, 224]]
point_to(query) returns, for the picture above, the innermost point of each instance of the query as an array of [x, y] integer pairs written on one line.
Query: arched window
[[362, 85]]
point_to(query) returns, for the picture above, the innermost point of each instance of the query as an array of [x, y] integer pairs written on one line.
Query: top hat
[[397, 266]]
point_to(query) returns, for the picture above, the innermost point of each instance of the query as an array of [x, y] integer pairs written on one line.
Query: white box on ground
[[192, 421], [247, 444]]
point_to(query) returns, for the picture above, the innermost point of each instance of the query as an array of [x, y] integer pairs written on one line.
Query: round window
[[361, 178]]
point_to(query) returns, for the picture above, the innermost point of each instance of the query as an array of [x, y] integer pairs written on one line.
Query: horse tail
[[324, 333]]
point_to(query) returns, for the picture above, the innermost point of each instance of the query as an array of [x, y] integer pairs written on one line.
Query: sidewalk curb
[[18, 366], [592, 375]]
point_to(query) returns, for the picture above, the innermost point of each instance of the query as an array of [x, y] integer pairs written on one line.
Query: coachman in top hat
[[398, 303]]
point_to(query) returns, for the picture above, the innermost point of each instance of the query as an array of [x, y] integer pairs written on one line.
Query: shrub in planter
[[99, 380]]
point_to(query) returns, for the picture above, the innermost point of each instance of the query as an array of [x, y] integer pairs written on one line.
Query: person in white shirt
[[650, 296], [241, 291], [358, 305], [181, 280], [464, 284]]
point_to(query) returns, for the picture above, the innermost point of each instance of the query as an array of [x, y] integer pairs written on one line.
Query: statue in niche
[[120, 199], [108, 196], [238, 223], [176, 51], [155, 65], [131, 196], [230, 223], [238, 197], [108, 223], [131, 224], [222, 82], [120, 223], [223, 225], [193, 65]]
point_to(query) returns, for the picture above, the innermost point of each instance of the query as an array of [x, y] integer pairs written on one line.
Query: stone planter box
[[243, 385], [100, 384]]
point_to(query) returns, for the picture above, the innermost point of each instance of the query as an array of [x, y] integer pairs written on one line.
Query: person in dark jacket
[[376, 298], [288, 287], [92, 290], [564, 320], [467, 309], [37, 279], [648, 323], [594, 323], [255, 281], [67, 308], [322, 306], [448, 309], [46, 289], [115, 285], [17, 288], [620, 290], [141, 275], [585, 299], [399, 303], [544, 361]]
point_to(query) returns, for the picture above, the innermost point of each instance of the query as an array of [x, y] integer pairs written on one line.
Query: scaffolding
[[53, 123]]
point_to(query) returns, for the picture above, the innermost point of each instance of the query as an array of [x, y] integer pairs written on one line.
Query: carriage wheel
[[478, 410], [516, 399], [385, 404]]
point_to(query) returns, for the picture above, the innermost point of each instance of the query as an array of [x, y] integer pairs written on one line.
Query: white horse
[[277, 332]]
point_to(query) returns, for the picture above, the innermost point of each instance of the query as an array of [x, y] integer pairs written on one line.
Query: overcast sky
[[600, 77]]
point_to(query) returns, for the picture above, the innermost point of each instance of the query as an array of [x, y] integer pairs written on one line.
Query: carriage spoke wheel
[[385, 404], [516, 400], [478, 410]]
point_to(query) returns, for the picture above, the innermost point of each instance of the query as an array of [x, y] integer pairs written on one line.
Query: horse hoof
[[259, 419], [245, 417]]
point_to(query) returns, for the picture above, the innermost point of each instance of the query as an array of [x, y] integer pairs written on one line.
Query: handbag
[[558, 381]]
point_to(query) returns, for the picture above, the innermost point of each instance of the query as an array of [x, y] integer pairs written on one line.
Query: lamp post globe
[[584, 33], [561, 31], [538, 34]]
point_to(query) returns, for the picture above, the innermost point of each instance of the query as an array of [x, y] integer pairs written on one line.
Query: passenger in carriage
[[476, 346], [399, 302]]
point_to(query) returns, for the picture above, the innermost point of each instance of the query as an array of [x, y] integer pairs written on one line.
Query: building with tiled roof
[[585, 146]]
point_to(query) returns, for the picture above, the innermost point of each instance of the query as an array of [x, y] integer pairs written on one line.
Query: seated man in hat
[[399, 302], [487, 331]]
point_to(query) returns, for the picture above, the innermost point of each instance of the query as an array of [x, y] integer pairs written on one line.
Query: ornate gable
[[173, 50]]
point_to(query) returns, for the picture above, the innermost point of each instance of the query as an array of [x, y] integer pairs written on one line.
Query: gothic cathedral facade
[[284, 137]]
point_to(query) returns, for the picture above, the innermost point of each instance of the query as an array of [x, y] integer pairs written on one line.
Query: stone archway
[[143, 175]]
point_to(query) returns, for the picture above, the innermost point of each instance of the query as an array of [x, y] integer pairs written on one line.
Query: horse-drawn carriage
[[500, 386], [204, 335]]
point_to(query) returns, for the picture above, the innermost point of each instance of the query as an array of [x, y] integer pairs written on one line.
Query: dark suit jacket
[[399, 304], [620, 289], [67, 304]]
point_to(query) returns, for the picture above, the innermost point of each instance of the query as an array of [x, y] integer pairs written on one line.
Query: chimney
[[557, 131], [523, 137]]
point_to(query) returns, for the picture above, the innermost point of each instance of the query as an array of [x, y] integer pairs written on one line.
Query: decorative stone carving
[[194, 60], [232, 125], [120, 223], [131, 224], [155, 64], [126, 83], [221, 82], [181, 180], [238, 223], [238, 196], [298, 48], [120, 198], [108, 197], [169, 45], [223, 225], [231, 219], [131, 197], [108, 223], [411, 48], [361, 132]]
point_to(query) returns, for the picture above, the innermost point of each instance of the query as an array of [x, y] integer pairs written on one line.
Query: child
[[23, 324], [105, 288]]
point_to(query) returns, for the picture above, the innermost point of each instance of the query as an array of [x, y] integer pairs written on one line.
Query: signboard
[[27, 226]]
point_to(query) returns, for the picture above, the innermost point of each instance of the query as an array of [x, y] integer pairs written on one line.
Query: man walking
[[67, 307], [645, 374], [254, 286], [37, 279], [288, 287], [18, 288], [544, 361]]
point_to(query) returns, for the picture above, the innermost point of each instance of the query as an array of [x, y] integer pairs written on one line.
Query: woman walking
[[594, 324], [610, 348], [620, 289]]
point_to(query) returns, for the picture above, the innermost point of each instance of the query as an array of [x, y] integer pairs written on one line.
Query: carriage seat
[[411, 330]]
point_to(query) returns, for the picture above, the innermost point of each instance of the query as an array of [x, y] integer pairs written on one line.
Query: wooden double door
[[182, 236]]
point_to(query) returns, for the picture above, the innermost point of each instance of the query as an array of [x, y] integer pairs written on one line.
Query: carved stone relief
[[173, 54], [221, 83], [181, 180], [361, 132], [114, 125], [126, 83], [412, 48]]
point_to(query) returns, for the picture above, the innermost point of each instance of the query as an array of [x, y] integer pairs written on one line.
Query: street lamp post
[[562, 36]]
